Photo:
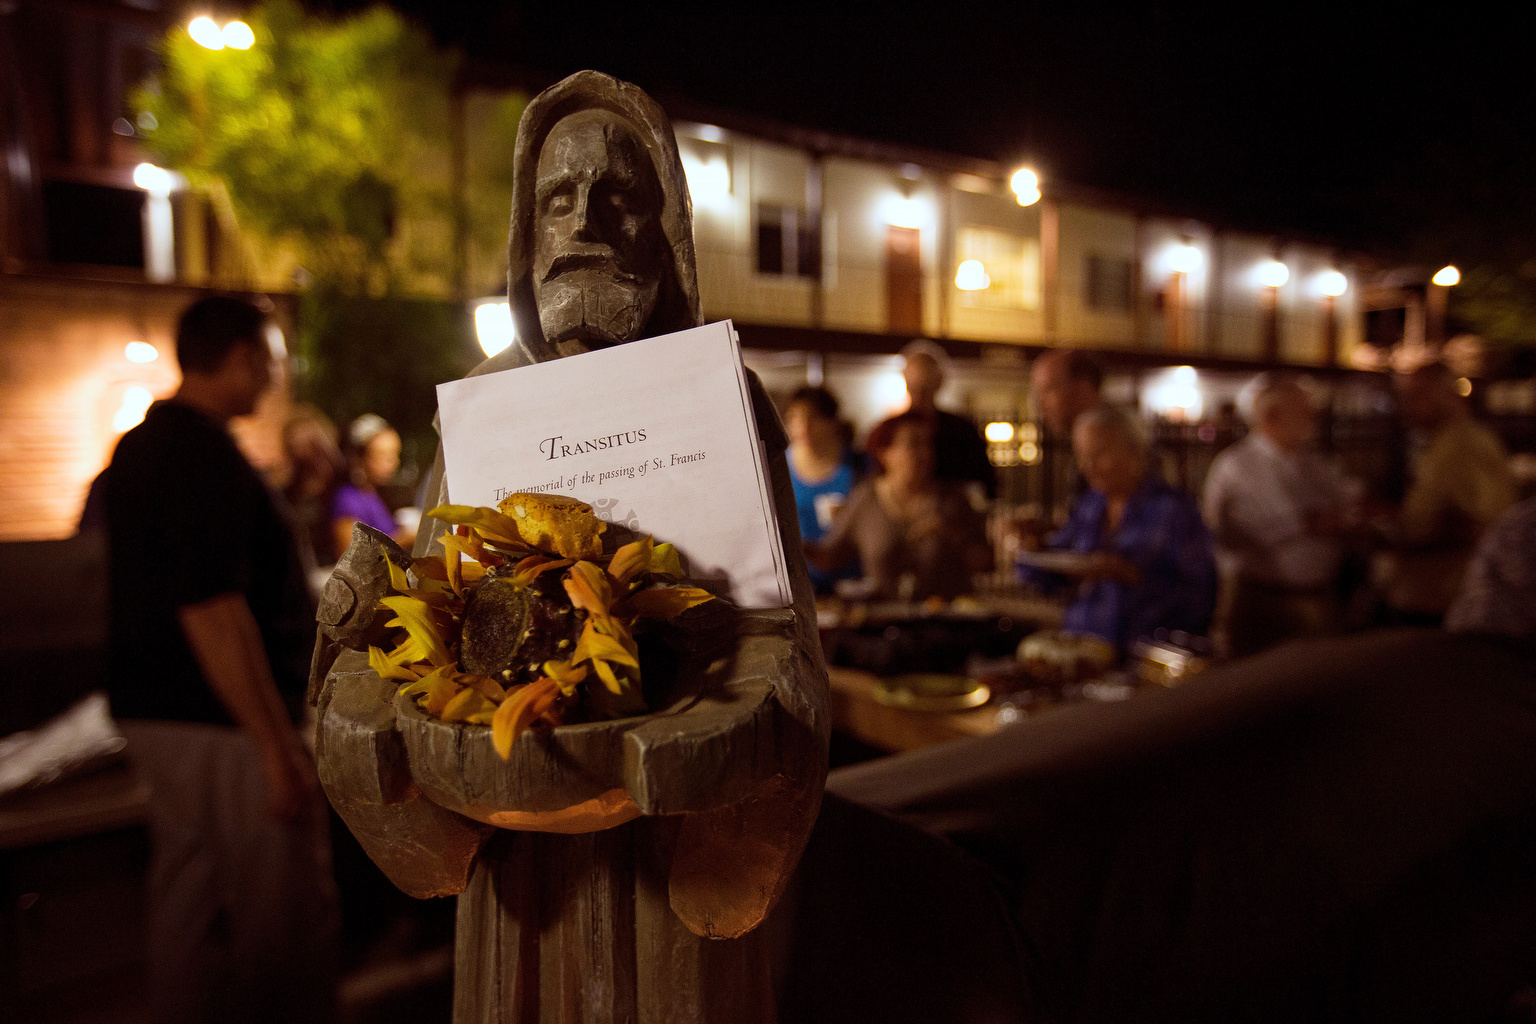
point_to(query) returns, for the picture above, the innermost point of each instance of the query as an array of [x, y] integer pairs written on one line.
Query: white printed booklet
[[657, 435]]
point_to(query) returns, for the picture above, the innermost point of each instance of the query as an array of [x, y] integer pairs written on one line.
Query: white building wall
[[1242, 317], [1086, 232], [1223, 306]]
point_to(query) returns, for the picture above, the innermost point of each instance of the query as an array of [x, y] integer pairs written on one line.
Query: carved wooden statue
[[613, 870]]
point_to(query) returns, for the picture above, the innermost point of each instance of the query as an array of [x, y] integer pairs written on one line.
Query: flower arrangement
[[519, 616]]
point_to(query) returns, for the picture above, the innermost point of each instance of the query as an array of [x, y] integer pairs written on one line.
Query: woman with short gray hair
[[1148, 562]]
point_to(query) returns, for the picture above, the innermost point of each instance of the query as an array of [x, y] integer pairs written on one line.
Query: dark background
[[1406, 129]]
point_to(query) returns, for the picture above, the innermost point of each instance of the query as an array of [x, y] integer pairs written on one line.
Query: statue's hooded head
[[601, 248]]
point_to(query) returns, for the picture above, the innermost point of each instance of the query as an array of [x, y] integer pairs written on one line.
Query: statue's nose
[[586, 227]]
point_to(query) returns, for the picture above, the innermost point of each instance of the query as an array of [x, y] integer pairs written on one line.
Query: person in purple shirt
[[1150, 562], [373, 455]]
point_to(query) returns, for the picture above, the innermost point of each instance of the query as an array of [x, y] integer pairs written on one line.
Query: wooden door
[[904, 279]]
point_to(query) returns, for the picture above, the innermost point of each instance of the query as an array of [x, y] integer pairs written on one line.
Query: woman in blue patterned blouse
[[1151, 563]]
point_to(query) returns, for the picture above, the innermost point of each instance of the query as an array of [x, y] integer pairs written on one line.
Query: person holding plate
[[1134, 548]]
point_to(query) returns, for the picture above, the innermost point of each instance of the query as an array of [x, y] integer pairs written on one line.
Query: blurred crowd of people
[[212, 624], [1279, 544], [329, 486]]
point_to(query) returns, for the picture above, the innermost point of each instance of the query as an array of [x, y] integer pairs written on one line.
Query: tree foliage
[[1498, 302], [330, 137]]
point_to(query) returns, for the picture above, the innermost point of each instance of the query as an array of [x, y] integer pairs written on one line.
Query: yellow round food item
[[554, 522]]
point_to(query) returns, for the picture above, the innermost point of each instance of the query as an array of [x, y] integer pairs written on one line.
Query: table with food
[[906, 675]]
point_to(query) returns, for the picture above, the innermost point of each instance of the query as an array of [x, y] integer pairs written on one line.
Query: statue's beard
[[593, 305]]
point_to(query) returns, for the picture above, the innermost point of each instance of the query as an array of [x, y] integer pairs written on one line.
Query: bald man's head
[[1283, 411]]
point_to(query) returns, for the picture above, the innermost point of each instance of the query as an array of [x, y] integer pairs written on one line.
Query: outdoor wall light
[[140, 352], [999, 432], [1331, 283], [1025, 183], [1447, 276], [1272, 273], [901, 211], [1026, 186], [493, 326], [709, 181], [157, 181], [972, 277], [1175, 393], [1184, 259]]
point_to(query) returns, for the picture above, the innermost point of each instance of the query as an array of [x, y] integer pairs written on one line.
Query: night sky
[[1388, 129]]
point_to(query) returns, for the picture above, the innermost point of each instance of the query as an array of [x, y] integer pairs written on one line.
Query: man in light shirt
[[1276, 507], [1461, 484]]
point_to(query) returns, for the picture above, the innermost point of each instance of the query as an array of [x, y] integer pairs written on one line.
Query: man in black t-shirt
[[211, 631], [960, 455]]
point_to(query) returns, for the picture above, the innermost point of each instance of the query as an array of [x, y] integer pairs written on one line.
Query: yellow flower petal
[[631, 560], [596, 647], [385, 667], [485, 685], [440, 688], [663, 602], [418, 620], [520, 710], [606, 674], [588, 588], [566, 674], [465, 703], [665, 560], [397, 578], [529, 568], [491, 524]]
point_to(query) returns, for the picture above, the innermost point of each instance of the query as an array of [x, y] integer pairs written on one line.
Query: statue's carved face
[[598, 245]]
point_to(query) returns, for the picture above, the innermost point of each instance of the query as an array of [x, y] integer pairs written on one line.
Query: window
[[1011, 264], [1107, 284], [788, 245], [94, 224]]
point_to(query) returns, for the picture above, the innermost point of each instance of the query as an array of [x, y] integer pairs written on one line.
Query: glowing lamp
[[998, 431], [1026, 186], [1273, 273], [1464, 386], [237, 35], [1176, 394], [1331, 282], [206, 32], [157, 181], [140, 352], [493, 326], [904, 211], [709, 182], [972, 277], [1029, 453], [1447, 276], [887, 391], [1184, 259]]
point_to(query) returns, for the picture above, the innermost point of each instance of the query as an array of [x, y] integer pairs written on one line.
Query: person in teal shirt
[[823, 468]]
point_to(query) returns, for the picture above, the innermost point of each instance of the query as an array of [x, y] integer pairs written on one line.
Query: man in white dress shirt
[[1276, 507]]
